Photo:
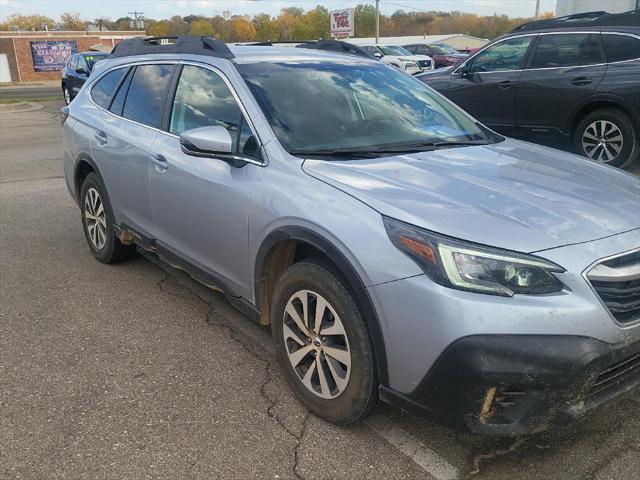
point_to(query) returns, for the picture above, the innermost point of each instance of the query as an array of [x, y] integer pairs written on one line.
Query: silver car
[[398, 249]]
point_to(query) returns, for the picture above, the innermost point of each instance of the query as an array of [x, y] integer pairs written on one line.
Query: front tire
[[607, 135], [98, 223], [322, 343], [67, 95]]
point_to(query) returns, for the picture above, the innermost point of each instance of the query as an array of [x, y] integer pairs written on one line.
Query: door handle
[[160, 162], [101, 137], [506, 84], [580, 81]]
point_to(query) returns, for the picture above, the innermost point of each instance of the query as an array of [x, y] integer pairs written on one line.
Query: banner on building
[[342, 23], [51, 55]]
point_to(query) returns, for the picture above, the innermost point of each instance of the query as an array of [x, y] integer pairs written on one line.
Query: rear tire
[[607, 135], [334, 374], [98, 223]]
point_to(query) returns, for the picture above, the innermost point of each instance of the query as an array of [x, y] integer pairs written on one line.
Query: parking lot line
[[433, 463]]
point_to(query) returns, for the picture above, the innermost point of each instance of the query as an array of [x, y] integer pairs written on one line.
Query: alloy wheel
[[602, 140], [95, 218], [316, 344]]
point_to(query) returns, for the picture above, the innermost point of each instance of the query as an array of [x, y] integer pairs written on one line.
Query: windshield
[[442, 49], [394, 50], [318, 106], [93, 59]]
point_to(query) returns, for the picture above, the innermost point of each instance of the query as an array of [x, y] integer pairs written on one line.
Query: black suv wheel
[[607, 135]]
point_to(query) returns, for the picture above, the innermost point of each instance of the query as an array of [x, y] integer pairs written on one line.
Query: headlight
[[476, 268], [411, 64]]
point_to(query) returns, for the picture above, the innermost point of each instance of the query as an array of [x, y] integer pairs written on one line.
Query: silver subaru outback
[[399, 249]]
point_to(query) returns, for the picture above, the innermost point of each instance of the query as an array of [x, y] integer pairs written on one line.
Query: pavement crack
[[216, 316], [480, 458]]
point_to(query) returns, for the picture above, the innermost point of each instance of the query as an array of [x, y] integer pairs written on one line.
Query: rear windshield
[[316, 106], [394, 50], [443, 49], [93, 59]]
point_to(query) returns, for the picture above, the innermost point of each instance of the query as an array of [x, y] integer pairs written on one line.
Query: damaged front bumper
[[520, 384]]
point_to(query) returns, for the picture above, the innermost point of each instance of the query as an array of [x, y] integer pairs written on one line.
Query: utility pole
[[377, 20], [537, 10], [137, 19]]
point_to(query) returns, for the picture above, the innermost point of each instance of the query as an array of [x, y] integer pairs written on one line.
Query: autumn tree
[[27, 22], [159, 29], [201, 27], [242, 30], [72, 21]]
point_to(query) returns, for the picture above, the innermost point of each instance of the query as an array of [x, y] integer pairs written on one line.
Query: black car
[[77, 70], [572, 82]]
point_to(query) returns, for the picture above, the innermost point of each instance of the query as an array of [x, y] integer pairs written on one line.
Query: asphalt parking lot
[[135, 371]]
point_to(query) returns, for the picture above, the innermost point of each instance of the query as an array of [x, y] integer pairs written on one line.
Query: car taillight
[[64, 113]]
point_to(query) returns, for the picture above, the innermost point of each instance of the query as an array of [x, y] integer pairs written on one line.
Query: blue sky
[[166, 8]]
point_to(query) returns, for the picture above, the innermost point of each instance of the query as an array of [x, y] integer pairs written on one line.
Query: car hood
[[513, 194]]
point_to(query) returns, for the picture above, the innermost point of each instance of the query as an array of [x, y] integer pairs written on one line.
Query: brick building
[[26, 52]]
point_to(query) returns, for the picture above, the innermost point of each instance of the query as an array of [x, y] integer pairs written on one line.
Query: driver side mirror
[[81, 71], [378, 55], [465, 70], [211, 142]]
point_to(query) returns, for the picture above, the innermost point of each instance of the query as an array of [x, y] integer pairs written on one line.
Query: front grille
[[617, 282], [424, 64], [617, 377]]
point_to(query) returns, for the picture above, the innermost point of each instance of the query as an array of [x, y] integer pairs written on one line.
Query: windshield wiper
[[419, 146], [373, 152]]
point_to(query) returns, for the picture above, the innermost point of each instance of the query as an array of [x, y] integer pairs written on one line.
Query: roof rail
[[587, 19], [327, 45], [197, 45]]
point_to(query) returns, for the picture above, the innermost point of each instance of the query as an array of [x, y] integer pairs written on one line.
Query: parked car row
[[398, 248], [569, 82]]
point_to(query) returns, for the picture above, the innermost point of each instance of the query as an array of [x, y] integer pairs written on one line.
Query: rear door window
[[618, 48], [148, 90], [105, 88], [203, 99], [567, 50]]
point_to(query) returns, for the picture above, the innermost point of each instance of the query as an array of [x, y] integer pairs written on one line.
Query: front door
[[201, 205], [486, 85]]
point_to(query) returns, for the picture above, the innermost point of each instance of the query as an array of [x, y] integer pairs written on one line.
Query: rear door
[[201, 205], [485, 86], [127, 124], [564, 69]]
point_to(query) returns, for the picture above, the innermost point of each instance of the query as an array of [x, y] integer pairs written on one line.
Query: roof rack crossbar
[[197, 45], [327, 45]]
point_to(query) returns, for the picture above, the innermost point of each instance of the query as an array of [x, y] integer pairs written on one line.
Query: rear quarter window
[[104, 88], [618, 48]]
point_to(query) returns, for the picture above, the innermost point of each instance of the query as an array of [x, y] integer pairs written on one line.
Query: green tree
[[201, 27], [27, 22], [72, 21], [365, 20], [266, 27]]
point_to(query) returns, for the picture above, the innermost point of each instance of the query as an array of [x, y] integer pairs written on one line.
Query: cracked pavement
[[136, 371]]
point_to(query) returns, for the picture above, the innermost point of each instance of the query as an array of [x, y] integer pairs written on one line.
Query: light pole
[[537, 10], [377, 20]]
